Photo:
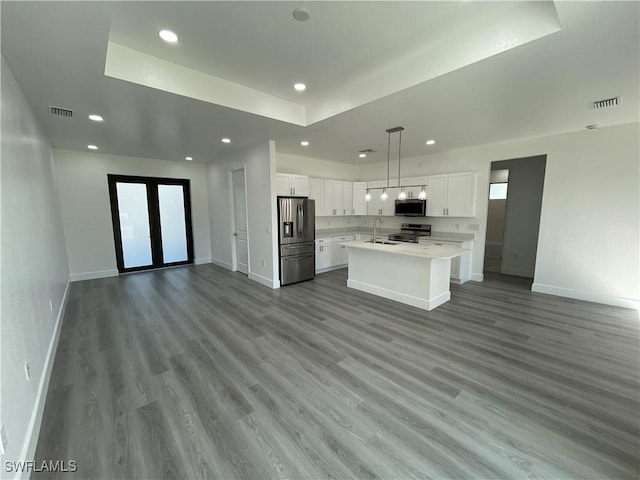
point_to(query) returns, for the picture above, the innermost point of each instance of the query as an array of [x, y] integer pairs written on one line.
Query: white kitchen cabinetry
[[347, 198], [451, 195], [414, 192], [324, 254], [292, 185], [338, 198], [340, 250], [333, 201], [378, 207], [460, 266], [316, 192], [359, 203]]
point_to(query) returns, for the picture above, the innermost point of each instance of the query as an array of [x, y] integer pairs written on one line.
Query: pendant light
[[402, 195]]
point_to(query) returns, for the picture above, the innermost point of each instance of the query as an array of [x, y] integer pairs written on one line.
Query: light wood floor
[[197, 372]]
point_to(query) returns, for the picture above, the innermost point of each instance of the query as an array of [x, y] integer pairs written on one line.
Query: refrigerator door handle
[[301, 220]]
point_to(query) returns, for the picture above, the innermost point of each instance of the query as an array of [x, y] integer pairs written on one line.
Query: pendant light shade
[[367, 196], [402, 195], [422, 195], [383, 195]]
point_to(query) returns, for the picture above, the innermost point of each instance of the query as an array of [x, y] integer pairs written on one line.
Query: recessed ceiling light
[[430, 142], [92, 147], [168, 36], [300, 87], [226, 140], [362, 155], [304, 143], [188, 158], [96, 118]]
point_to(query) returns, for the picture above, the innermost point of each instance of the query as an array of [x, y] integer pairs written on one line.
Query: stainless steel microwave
[[411, 207]]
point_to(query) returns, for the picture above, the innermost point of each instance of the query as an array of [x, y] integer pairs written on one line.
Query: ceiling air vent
[[61, 112], [606, 103]]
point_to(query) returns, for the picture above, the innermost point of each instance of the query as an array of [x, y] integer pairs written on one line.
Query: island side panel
[[418, 281]]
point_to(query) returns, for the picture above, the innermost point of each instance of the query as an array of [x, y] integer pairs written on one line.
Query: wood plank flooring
[[197, 372]]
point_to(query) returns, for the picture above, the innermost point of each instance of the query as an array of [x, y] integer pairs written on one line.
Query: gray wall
[[34, 271]]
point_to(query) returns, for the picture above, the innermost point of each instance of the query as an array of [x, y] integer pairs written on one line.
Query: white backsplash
[[462, 225]]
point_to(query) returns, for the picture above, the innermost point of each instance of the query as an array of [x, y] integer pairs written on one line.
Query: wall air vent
[[606, 103], [61, 112]]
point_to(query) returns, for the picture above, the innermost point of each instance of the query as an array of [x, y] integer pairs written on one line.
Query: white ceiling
[[463, 73]]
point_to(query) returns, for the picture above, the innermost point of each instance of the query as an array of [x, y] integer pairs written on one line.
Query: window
[[498, 191]]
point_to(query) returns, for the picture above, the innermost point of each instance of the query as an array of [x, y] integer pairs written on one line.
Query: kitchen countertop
[[451, 236], [334, 232], [443, 236], [412, 249]]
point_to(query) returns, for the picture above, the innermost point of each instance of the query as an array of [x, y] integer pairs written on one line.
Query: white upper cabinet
[[376, 206], [417, 182], [451, 195], [359, 203], [333, 197], [316, 192], [347, 198], [292, 185]]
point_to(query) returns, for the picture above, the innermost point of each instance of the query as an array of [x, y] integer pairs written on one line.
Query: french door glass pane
[[172, 221], [134, 224]]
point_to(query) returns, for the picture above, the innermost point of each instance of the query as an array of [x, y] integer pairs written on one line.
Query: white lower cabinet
[[460, 266], [340, 256], [324, 254]]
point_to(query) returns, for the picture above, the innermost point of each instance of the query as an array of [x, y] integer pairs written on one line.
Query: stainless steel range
[[411, 232]]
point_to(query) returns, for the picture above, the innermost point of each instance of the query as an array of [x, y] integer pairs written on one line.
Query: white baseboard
[[400, 297], [267, 282], [477, 277], [33, 429], [200, 261], [78, 277], [586, 296], [518, 272], [221, 263]]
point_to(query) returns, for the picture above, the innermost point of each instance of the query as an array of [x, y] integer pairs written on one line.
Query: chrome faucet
[[374, 229]]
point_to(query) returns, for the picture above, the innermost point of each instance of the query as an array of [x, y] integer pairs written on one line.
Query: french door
[[151, 222]]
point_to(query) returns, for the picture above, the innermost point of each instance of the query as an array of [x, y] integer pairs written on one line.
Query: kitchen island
[[409, 273]]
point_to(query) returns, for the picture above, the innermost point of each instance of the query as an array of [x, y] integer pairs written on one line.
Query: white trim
[[400, 297], [200, 261], [33, 430], [222, 263], [477, 277], [586, 296], [78, 277], [267, 282]]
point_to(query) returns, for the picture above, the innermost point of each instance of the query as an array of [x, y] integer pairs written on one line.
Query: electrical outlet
[[27, 370], [3, 441], [457, 226]]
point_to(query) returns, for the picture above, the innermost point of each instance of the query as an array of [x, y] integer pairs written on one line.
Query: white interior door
[[240, 221]]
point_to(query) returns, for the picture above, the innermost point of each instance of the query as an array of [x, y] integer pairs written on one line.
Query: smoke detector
[[606, 103], [301, 14]]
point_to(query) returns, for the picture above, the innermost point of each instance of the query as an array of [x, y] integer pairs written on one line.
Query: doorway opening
[[240, 240], [513, 216], [152, 225]]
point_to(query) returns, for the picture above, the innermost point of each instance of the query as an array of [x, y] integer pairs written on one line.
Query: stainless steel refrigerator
[[297, 232]]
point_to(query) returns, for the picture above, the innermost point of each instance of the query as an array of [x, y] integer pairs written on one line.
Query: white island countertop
[[411, 249]]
